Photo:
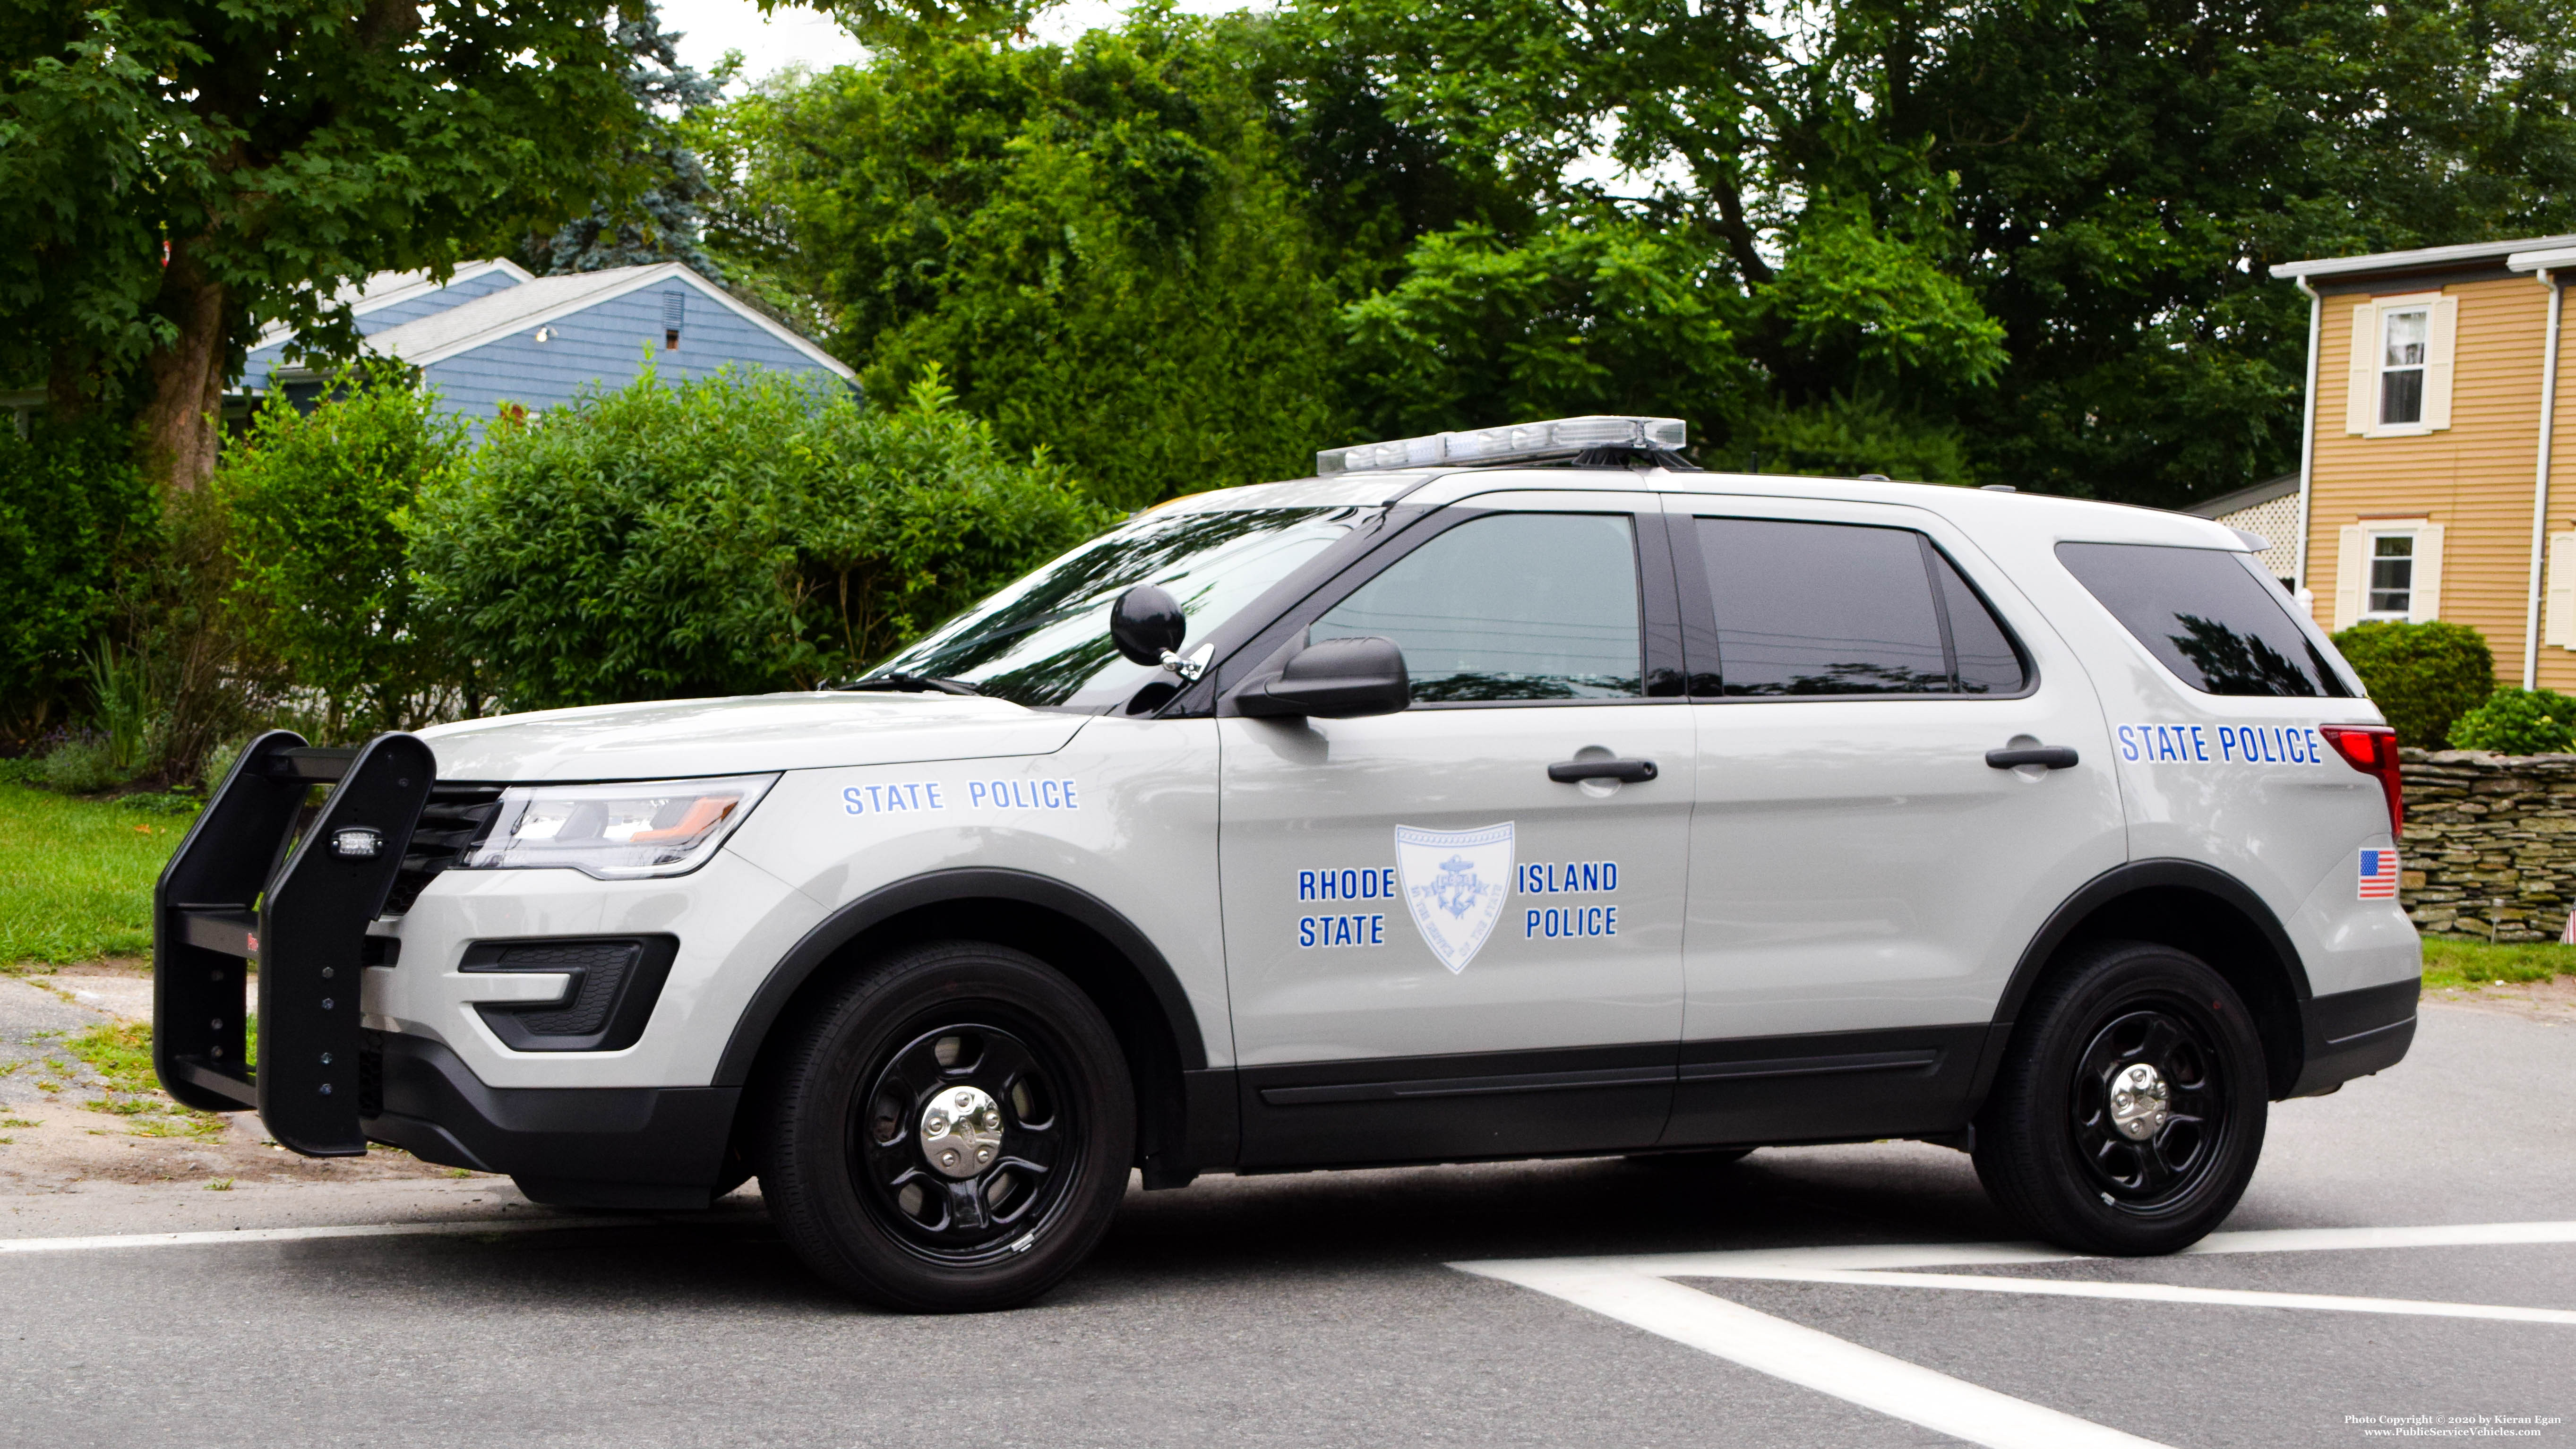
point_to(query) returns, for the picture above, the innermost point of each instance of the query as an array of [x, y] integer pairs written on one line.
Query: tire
[[2051, 1148], [861, 1100]]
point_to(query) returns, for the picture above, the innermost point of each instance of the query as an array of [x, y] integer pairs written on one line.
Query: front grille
[[454, 818]]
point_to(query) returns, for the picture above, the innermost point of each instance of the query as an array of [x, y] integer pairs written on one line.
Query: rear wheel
[[2128, 1117], [952, 1133]]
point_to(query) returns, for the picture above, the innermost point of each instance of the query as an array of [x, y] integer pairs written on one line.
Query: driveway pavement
[[1568, 1303]]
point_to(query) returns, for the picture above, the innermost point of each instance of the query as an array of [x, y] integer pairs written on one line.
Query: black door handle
[[2055, 757], [1568, 772]]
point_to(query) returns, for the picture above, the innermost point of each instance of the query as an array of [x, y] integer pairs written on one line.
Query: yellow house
[[2426, 462]]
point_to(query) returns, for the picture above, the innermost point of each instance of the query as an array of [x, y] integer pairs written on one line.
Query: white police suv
[[1507, 794]]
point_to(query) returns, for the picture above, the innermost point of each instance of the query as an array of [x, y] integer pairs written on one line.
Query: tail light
[[2372, 749]]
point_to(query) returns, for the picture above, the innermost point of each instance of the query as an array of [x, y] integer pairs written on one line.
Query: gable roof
[[2471, 254], [2244, 498], [533, 303], [384, 289]]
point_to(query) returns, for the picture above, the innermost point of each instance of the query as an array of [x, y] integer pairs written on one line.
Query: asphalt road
[[1322, 1309]]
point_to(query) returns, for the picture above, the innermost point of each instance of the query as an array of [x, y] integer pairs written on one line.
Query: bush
[[314, 541], [74, 511], [2422, 676], [82, 765], [2519, 722], [733, 534]]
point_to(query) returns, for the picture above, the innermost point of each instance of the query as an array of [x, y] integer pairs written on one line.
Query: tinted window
[[1988, 663], [2207, 616], [1833, 608], [1510, 606]]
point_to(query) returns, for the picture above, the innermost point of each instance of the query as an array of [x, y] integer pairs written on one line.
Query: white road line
[[1637, 1290], [1811, 1359], [2169, 1293], [291, 1235]]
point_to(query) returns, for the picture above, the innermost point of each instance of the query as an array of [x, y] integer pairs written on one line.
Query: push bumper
[[2355, 1033]]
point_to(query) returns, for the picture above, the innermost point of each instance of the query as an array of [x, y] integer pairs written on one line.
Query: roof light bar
[[1521, 442]]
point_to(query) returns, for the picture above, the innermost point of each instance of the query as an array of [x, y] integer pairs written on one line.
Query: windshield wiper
[[905, 684]]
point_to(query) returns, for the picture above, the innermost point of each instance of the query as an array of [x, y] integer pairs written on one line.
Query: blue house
[[493, 335]]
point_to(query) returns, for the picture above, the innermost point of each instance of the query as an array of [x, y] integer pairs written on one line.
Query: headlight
[[615, 832]]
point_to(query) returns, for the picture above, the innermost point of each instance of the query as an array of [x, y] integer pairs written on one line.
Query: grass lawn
[[2474, 963], [76, 876]]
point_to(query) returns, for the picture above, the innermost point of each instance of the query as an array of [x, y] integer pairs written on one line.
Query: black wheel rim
[[954, 1221], [2159, 1172]]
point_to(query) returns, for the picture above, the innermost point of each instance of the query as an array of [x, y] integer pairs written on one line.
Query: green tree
[[74, 512], [2127, 171], [184, 172], [318, 581], [731, 535], [1104, 246], [665, 221]]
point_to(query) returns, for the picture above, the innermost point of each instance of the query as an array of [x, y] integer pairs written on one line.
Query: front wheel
[[952, 1133], [2129, 1114]]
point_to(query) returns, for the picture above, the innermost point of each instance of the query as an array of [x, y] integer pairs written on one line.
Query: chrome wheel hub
[[2140, 1101], [961, 1131]]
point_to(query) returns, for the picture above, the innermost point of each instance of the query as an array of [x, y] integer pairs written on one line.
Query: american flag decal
[[2379, 875]]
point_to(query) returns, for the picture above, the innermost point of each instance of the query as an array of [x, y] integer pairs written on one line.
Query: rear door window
[[1847, 609], [2206, 615]]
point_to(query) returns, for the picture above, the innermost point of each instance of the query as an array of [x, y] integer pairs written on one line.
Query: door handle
[[1569, 772], [2055, 757]]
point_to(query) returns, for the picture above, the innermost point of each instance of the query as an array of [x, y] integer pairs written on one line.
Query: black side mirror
[[1146, 622], [1334, 679]]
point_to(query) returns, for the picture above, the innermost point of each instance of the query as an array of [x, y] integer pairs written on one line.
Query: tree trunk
[[179, 423]]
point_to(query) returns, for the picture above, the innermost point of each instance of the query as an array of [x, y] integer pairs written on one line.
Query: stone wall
[[2490, 844]]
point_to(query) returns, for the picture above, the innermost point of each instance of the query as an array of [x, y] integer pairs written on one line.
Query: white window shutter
[[2352, 572], [2428, 574], [2442, 334], [2558, 605], [2361, 401]]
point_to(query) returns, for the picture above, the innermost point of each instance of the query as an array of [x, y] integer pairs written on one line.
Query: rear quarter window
[[2221, 627]]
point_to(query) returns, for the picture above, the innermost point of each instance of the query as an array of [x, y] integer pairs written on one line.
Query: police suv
[[1517, 793]]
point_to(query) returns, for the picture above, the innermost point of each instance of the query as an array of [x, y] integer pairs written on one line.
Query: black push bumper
[[2355, 1033], [265, 879]]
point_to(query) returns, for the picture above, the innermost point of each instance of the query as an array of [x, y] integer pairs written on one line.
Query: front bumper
[[2355, 1033], [606, 1147]]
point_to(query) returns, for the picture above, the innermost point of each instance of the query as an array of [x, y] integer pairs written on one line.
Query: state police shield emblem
[[1456, 882]]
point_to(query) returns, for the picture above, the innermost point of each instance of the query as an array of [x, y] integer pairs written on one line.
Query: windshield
[[1044, 641]]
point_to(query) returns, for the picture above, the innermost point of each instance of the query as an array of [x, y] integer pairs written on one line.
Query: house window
[[2392, 576], [2388, 568], [2402, 365], [2403, 340]]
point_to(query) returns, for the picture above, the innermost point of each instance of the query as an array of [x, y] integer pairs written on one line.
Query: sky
[[708, 28]]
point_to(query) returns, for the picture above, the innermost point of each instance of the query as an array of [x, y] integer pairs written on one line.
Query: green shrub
[[2422, 676], [83, 765], [74, 511], [2519, 722], [317, 576], [733, 534]]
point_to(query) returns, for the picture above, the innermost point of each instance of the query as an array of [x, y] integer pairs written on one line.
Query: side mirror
[[1334, 679], [1146, 623]]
